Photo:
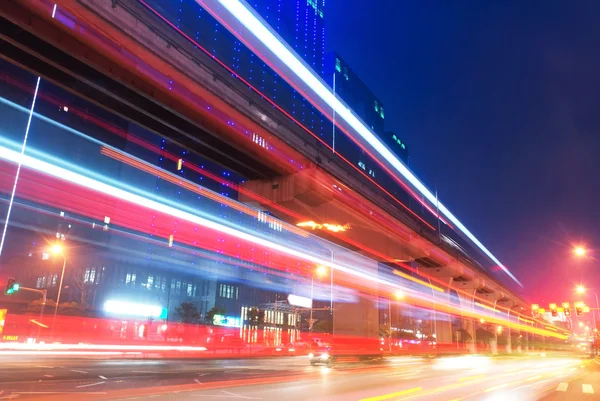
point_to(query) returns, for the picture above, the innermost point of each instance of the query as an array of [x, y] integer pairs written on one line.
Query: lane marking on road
[[463, 379], [228, 395], [78, 371], [197, 381], [203, 374], [587, 389], [102, 377], [392, 395], [48, 376], [498, 387], [89, 385], [534, 378], [562, 387], [45, 367], [60, 392]]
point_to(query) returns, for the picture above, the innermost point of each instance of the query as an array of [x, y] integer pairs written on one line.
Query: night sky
[[502, 101]]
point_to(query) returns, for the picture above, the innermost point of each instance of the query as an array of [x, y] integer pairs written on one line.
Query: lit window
[[376, 106], [43, 282], [381, 112], [189, 290], [39, 283], [54, 280], [150, 282], [338, 65]]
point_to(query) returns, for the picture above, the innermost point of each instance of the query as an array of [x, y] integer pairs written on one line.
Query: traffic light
[[553, 310], [579, 310], [11, 286], [535, 308], [567, 309]]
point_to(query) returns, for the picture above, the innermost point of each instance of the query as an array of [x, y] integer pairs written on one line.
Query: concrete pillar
[[355, 321], [509, 305]]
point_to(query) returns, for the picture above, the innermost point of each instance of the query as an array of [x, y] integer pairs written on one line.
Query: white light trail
[[14, 190], [242, 13], [94, 185]]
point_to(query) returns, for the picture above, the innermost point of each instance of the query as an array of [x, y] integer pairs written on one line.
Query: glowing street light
[[321, 271], [579, 251], [580, 289], [58, 250]]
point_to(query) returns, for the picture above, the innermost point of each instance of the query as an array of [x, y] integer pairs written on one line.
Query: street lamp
[[579, 251], [319, 272], [58, 250], [580, 289]]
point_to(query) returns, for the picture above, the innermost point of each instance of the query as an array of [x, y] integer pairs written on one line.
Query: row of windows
[[92, 275], [47, 281], [228, 291], [161, 283]]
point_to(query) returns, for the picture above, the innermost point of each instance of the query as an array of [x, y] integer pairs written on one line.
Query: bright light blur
[[580, 289], [399, 294], [131, 309], [321, 271], [579, 251], [469, 362], [56, 249]]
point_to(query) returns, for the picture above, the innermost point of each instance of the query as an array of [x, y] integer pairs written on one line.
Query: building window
[[43, 282], [376, 106], [338, 65], [150, 282], [39, 283], [381, 112], [90, 275], [189, 290], [130, 279], [228, 291], [54, 280]]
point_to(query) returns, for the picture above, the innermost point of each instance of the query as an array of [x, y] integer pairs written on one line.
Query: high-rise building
[[348, 86], [396, 145], [299, 23]]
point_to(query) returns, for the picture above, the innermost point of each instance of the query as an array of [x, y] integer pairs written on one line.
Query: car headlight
[[311, 355], [325, 355]]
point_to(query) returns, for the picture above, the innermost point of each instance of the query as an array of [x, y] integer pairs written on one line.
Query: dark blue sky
[[502, 100]]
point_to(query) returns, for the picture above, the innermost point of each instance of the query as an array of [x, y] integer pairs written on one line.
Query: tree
[[79, 284], [34, 307], [323, 326], [64, 308], [215, 310], [188, 313]]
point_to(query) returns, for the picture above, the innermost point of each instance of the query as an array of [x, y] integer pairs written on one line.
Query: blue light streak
[[242, 13]]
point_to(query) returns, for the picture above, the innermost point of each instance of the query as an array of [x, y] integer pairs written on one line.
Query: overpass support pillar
[[469, 325], [443, 321]]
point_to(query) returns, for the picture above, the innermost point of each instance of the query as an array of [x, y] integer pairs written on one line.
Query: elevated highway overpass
[[124, 57]]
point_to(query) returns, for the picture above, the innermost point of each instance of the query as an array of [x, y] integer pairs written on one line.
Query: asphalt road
[[519, 378]]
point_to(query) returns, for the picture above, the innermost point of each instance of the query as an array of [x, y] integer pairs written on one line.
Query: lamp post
[[580, 289], [320, 272], [58, 250], [398, 295]]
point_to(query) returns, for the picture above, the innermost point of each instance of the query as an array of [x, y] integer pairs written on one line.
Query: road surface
[[518, 378]]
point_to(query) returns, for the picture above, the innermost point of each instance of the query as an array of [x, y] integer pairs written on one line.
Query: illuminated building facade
[[299, 23]]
